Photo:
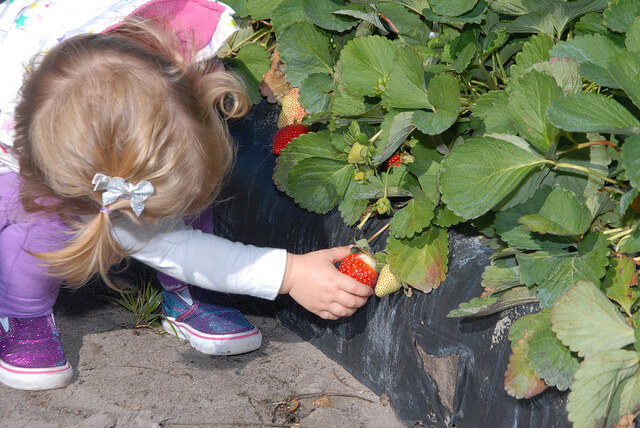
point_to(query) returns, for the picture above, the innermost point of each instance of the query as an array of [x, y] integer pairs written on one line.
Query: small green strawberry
[[387, 282]]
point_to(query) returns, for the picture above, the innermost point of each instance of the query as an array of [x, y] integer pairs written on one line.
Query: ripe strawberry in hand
[[361, 267], [286, 134]]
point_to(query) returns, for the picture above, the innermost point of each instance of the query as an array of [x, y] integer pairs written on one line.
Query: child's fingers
[[340, 311], [336, 254], [327, 315], [350, 301], [354, 287]]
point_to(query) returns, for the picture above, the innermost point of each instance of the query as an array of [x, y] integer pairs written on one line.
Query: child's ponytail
[[127, 105], [90, 250]]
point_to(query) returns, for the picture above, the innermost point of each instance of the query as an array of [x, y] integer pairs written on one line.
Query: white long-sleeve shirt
[[29, 27]]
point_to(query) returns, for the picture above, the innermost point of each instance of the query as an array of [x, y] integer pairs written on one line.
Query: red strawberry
[[361, 267], [394, 160], [286, 134]]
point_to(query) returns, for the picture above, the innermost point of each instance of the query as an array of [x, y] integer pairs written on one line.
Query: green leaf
[[452, 8], [548, 357], [366, 64], [595, 386], [626, 400], [535, 50], [425, 168], [583, 184], [461, 50], [627, 199], [262, 9], [632, 41], [474, 16], [565, 71], [491, 113], [631, 159], [402, 18], [312, 144], [591, 23], [315, 93], [529, 99], [286, 14], [592, 51], [349, 103], [322, 13], [482, 306], [618, 283], [501, 275], [631, 244], [590, 112], [239, 6], [444, 96], [552, 17], [478, 174], [588, 323], [560, 214], [406, 87], [304, 49], [517, 235], [444, 217], [520, 381], [420, 261], [414, 217], [351, 206], [252, 61], [624, 67], [556, 271], [620, 14], [318, 184], [396, 127]]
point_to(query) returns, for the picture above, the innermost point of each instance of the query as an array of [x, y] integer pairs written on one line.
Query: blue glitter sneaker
[[31, 355], [210, 328]]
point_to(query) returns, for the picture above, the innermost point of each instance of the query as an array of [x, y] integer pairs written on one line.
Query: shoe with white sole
[[31, 355], [191, 314]]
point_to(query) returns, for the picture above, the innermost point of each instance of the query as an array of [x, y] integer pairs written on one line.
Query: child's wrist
[[285, 287]]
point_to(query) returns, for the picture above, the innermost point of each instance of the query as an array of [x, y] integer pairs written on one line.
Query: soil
[[137, 377]]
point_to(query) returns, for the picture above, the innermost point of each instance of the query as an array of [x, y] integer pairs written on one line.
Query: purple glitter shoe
[[210, 328], [31, 355]]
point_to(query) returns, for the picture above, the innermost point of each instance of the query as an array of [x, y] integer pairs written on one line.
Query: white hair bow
[[115, 188]]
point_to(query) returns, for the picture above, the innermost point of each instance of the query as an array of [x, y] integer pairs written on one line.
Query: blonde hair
[[125, 104]]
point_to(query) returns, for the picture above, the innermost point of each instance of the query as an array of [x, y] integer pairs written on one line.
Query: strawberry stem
[[366, 217], [375, 235], [583, 169], [589, 144], [375, 137]]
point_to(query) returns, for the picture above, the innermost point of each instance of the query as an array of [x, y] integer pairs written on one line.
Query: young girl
[[114, 138]]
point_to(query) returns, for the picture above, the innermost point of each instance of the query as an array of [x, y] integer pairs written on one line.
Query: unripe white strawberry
[[387, 282], [291, 111]]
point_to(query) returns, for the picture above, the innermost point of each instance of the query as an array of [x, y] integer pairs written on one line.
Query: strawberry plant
[[519, 118]]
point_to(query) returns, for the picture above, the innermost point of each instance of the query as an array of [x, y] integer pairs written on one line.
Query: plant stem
[[366, 217], [375, 235], [589, 144], [582, 169], [487, 75], [375, 137]]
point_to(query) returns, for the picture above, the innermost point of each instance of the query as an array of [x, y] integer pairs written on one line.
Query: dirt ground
[[127, 377]]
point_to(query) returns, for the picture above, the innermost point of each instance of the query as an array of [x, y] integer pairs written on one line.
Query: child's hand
[[313, 281]]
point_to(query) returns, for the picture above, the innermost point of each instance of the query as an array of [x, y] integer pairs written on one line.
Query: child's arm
[[215, 263], [314, 282]]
